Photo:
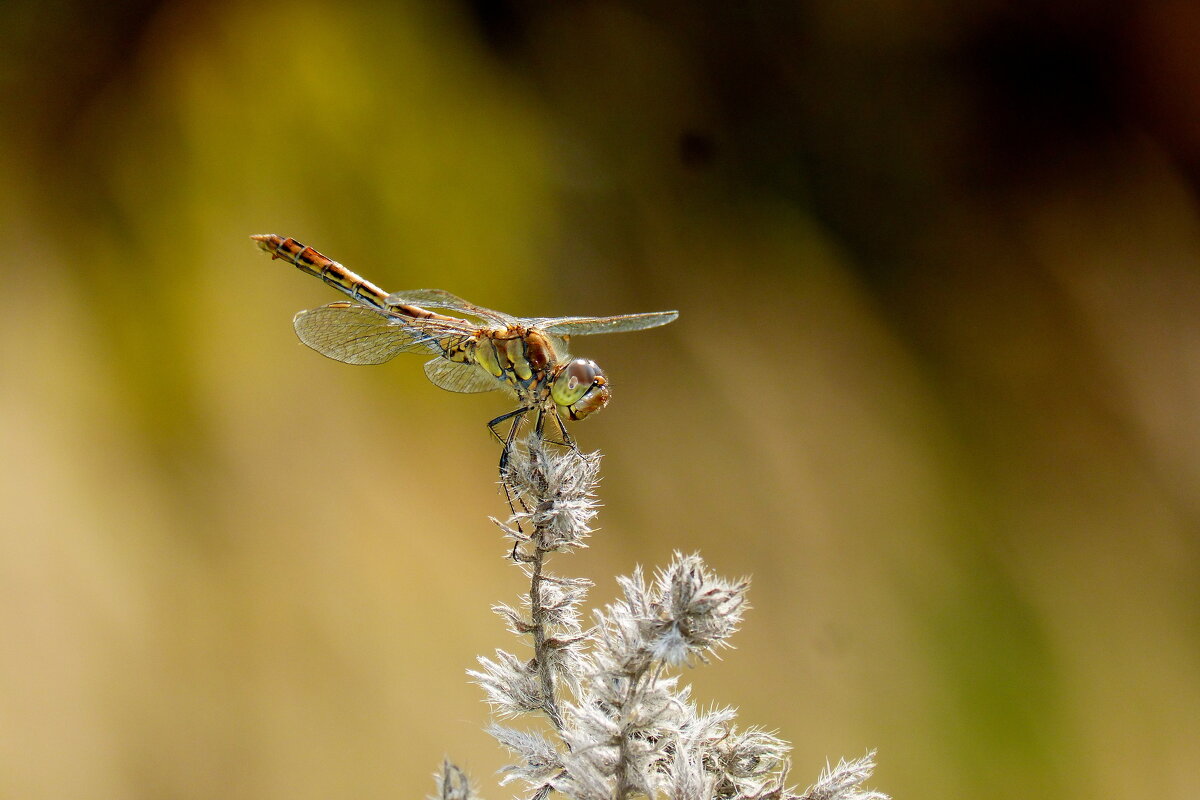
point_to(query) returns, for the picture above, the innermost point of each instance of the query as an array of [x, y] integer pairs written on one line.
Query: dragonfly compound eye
[[580, 389]]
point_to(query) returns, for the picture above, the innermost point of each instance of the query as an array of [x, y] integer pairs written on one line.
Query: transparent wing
[[580, 326], [357, 334], [562, 346], [456, 376], [437, 298]]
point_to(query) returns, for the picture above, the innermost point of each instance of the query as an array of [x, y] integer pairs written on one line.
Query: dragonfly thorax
[[527, 362], [519, 357]]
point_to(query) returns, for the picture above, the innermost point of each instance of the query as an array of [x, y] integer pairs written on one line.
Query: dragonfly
[[525, 357]]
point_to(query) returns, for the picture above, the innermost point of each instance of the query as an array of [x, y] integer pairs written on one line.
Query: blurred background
[[935, 384]]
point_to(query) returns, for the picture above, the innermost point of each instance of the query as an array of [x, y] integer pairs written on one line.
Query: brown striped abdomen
[[306, 259]]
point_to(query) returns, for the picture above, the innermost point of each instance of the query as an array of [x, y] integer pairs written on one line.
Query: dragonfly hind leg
[[507, 440], [510, 494]]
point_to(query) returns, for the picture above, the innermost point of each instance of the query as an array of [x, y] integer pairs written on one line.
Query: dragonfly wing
[[357, 334], [581, 326], [562, 346], [455, 376], [438, 298]]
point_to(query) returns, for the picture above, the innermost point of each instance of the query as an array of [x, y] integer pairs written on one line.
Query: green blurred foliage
[[934, 385]]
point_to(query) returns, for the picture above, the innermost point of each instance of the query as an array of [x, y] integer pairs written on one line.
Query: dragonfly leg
[[567, 440], [566, 435], [538, 425], [507, 441]]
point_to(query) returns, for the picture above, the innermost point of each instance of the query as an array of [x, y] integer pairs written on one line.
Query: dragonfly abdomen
[[306, 259]]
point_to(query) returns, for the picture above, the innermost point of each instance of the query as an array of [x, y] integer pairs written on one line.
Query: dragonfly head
[[580, 388]]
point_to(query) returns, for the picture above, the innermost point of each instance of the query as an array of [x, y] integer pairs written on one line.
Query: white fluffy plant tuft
[[620, 724]]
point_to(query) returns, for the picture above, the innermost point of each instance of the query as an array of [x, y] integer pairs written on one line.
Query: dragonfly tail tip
[[267, 241]]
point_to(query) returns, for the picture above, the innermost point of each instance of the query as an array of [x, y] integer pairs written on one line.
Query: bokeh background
[[935, 383]]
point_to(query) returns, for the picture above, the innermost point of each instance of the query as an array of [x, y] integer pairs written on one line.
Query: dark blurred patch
[[501, 23], [1164, 81], [64, 56], [1043, 88], [874, 126], [745, 56], [697, 149]]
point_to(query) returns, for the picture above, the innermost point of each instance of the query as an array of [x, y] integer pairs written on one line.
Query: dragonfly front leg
[[566, 436], [567, 440]]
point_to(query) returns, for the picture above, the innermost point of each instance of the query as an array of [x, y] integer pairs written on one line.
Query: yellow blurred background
[[935, 384]]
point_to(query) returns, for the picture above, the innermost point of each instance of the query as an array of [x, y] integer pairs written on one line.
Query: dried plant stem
[[537, 610], [645, 675], [540, 651], [544, 487], [624, 787]]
